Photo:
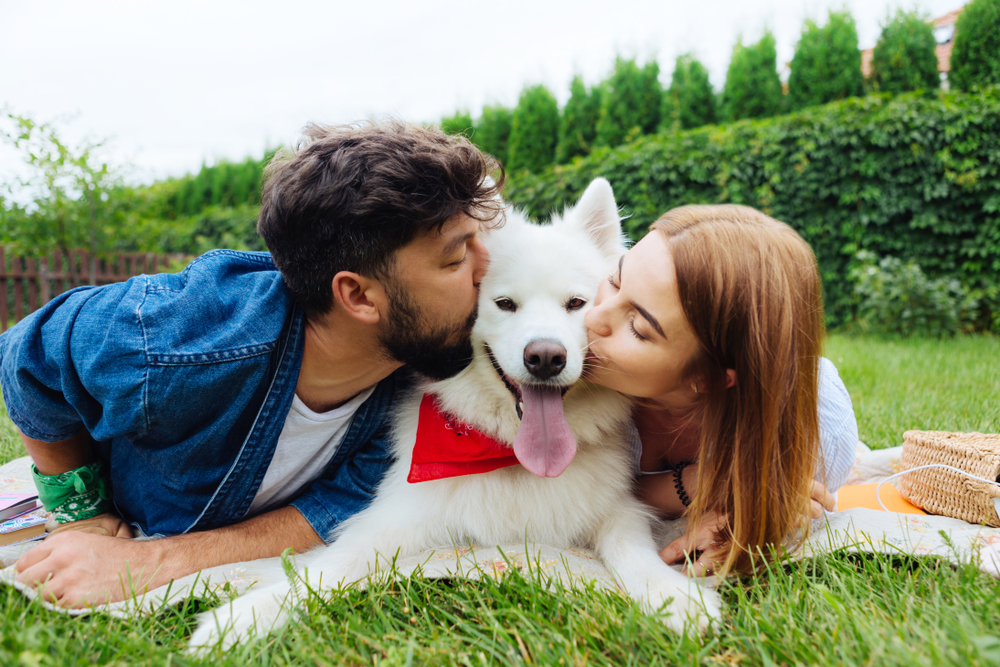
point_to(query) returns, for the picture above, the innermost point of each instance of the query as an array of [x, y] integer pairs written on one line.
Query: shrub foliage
[[904, 58], [910, 177], [897, 297], [975, 56]]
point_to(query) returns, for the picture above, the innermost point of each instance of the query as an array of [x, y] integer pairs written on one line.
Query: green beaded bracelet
[[76, 494]]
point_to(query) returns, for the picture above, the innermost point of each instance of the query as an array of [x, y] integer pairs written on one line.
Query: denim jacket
[[184, 381]]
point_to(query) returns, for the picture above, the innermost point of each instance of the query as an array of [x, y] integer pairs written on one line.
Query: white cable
[[929, 465]]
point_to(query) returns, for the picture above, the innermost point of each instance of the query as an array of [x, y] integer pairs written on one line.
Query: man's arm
[[54, 458], [82, 569]]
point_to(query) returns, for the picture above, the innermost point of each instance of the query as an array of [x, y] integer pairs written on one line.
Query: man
[[237, 408]]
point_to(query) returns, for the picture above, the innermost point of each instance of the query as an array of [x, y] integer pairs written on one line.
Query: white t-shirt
[[305, 448]]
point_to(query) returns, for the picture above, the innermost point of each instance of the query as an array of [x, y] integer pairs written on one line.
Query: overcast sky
[[173, 84]]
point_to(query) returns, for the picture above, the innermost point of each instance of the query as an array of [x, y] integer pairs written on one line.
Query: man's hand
[[84, 569], [107, 524], [78, 568]]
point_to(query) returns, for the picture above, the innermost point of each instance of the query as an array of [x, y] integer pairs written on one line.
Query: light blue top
[[838, 430]]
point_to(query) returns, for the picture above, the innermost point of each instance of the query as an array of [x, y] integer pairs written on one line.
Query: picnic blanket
[[857, 529]]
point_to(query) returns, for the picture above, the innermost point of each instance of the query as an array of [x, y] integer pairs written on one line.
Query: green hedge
[[915, 177]]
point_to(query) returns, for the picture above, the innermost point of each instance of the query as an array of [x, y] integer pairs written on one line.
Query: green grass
[[839, 609], [923, 384]]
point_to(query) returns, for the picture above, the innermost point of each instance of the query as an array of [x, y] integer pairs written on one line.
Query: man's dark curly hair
[[350, 196]]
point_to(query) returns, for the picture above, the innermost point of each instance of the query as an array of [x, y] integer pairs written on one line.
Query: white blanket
[[858, 530]]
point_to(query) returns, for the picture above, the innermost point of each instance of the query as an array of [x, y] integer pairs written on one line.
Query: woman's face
[[640, 340]]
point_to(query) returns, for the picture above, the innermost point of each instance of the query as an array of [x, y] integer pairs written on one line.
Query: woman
[[714, 321]]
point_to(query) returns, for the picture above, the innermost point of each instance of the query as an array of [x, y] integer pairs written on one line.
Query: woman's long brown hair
[[750, 289]]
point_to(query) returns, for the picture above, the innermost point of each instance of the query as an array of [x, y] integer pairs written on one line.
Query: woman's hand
[[700, 547], [703, 546], [820, 500]]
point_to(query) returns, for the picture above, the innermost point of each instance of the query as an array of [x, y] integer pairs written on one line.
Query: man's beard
[[428, 352]]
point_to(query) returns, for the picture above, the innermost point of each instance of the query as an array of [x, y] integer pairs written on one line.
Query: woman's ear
[[359, 297], [730, 377]]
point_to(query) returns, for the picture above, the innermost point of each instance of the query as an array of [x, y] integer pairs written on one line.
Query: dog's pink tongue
[[544, 444]]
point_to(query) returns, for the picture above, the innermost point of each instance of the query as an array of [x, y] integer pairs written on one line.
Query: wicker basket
[[940, 491]]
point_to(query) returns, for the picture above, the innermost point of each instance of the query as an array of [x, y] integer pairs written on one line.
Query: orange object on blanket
[[863, 495]]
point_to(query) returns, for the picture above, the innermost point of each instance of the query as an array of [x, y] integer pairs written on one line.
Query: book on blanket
[[16, 504], [22, 529]]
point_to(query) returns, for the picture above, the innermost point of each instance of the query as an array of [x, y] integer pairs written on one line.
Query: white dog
[[571, 481]]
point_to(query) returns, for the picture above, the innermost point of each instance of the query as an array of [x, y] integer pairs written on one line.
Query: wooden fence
[[28, 283]]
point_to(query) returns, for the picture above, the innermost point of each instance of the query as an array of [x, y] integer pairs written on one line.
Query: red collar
[[447, 448]]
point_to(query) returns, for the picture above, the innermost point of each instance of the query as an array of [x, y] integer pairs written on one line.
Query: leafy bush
[[690, 101], [904, 58], [896, 297], [827, 63], [534, 130], [911, 177], [631, 102], [753, 88], [975, 56]]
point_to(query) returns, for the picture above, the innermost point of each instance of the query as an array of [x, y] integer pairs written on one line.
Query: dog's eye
[[576, 303], [503, 303]]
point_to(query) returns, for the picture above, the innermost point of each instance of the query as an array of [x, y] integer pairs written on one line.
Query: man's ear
[[361, 298]]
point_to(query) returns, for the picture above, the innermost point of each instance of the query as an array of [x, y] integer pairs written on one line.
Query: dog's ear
[[597, 214]]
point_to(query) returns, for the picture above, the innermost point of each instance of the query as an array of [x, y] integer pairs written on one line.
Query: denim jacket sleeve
[[78, 362]]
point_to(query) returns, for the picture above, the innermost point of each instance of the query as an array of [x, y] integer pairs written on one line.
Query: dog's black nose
[[544, 358]]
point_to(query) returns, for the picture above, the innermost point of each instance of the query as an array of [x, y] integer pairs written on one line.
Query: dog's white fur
[[540, 268]]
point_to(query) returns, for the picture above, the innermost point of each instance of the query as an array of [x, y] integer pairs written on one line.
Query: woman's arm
[[838, 428], [660, 491]]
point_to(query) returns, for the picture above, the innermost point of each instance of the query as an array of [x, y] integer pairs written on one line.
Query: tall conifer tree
[[631, 102], [578, 124], [827, 63], [691, 102], [753, 88], [534, 130], [493, 131], [904, 58], [459, 123], [975, 55]]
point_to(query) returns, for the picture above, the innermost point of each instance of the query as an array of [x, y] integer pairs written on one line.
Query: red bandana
[[446, 448]]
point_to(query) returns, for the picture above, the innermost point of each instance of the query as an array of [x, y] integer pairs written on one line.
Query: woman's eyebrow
[[649, 318], [642, 311]]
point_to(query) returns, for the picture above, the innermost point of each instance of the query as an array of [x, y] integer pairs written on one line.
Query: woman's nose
[[597, 321]]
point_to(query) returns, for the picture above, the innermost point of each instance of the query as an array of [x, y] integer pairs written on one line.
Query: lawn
[[840, 609]]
